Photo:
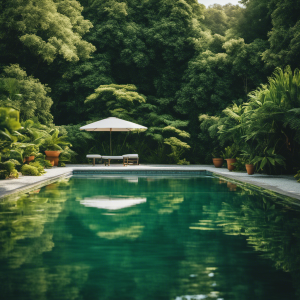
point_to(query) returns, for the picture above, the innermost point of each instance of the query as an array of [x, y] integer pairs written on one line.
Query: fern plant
[[230, 151], [54, 142]]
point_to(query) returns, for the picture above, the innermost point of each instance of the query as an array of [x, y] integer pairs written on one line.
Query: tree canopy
[[46, 28], [74, 61]]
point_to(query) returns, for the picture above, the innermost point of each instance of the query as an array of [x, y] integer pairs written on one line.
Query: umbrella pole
[[110, 142]]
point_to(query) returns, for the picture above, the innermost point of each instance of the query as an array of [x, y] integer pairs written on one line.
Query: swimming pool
[[148, 237]]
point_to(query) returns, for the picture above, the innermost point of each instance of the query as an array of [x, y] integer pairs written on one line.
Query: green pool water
[[148, 238]]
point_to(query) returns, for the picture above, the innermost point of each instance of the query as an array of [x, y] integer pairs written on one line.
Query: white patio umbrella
[[112, 124]]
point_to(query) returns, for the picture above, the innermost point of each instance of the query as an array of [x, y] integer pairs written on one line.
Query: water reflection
[[152, 238], [110, 203], [271, 228], [25, 218]]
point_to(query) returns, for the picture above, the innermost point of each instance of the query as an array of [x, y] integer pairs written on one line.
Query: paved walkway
[[285, 185]]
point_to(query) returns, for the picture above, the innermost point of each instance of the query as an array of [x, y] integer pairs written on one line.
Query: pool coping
[[261, 182], [271, 191], [33, 186]]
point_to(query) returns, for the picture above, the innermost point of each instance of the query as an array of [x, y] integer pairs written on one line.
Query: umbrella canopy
[[112, 124]]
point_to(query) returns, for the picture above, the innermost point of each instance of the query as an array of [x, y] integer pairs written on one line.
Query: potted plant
[[53, 144], [248, 158], [250, 168], [230, 156], [29, 153], [217, 159]]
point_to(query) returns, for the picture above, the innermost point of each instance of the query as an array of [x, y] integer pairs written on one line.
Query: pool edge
[[269, 190], [31, 187]]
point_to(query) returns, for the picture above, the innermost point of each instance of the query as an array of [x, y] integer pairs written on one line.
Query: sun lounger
[[107, 159], [94, 156], [130, 159]]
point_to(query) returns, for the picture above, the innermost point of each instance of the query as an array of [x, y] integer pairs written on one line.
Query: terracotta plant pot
[[229, 162], [218, 162], [52, 156], [28, 159], [250, 169]]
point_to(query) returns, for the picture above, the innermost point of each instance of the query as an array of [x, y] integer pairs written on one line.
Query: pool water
[[148, 238]]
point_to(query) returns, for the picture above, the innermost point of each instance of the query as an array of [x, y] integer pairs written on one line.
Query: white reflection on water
[[112, 203], [191, 297], [198, 297]]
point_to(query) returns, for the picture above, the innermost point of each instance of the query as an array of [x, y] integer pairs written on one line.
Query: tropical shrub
[[177, 149], [230, 129], [14, 161], [53, 141], [8, 170], [82, 142], [30, 170], [230, 151], [47, 164], [26, 94], [183, 162], [267, 127], [30, 150], [8, 166], [239, 164], [224, 131], [268, 161], [9, 119], [66, 155], [14, 174], [33, 133], [272, 122], [37, 165], [43, 162], [9, 123], [3, 174]]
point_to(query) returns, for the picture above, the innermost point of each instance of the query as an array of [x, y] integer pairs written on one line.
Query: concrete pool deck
[[285, 185]]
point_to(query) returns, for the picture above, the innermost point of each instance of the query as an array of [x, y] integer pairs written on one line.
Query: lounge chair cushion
[[131, 155], [93, 156], [112, 157]]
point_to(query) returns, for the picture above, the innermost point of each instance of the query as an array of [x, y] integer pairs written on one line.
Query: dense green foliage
[[48, 29], [30, 170], [157, 63], [25, 94], [28, 140], [267, 127]]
